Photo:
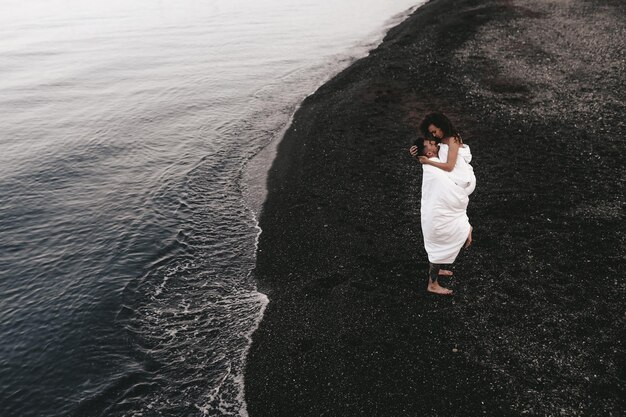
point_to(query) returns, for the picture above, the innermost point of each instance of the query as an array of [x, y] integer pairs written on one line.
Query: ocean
[[135, 139]]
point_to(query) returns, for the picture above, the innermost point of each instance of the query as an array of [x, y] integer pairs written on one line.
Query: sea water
[[133, 153]]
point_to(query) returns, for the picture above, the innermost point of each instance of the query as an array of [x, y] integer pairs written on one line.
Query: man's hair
[[419, 142], [441, 121]]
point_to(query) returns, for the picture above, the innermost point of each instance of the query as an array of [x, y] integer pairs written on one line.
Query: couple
[[447, 182]]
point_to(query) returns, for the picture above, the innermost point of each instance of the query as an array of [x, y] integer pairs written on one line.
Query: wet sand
[[536, 325]]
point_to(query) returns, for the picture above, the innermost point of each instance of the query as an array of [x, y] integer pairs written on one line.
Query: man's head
[[426, 147]]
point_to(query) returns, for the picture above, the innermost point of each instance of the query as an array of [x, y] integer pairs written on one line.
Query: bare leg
[[469, 240], [433, 284], [446, 273]]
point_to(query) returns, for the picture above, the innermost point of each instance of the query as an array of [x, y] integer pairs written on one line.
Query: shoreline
[[256, 169], [349, 329], [255, 166]]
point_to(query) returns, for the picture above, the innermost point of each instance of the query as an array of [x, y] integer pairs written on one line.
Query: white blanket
[[462, 173], [445, 224]]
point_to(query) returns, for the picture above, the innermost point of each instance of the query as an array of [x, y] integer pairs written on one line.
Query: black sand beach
[[536, 325]]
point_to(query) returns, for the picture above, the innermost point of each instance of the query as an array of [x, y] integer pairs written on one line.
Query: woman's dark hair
[[439, 120]]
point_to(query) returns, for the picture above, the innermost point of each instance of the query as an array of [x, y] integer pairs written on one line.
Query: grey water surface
[[133, 151]]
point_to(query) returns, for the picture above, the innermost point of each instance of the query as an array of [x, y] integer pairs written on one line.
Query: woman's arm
[[453, 153]]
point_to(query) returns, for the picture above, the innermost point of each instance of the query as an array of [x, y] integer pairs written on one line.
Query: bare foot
[[435, 288], [445, 272], [469, 240]]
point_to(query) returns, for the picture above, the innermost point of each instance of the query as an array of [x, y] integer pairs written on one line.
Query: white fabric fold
[[445, 224], [462, 173]]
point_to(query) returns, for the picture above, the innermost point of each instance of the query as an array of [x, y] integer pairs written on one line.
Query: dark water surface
[[127, 216]]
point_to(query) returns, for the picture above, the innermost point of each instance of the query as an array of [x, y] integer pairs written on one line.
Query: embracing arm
[[453, 153]]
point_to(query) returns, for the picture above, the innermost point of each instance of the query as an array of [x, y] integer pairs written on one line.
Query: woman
[[454, 155]]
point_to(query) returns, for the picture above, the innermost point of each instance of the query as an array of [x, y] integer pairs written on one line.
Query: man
[[445, 224]]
